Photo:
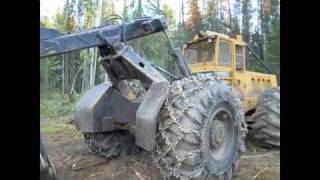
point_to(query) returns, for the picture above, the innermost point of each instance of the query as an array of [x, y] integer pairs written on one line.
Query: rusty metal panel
[[146, 118]]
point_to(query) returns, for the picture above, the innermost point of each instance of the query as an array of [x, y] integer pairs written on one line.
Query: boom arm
[[52, 43]]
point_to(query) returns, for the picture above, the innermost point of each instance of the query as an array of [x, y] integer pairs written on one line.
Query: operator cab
[[211, 52]]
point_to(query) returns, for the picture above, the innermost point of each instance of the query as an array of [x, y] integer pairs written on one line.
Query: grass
[[56, 105], [55, 111], [53, 126], [50, 129]]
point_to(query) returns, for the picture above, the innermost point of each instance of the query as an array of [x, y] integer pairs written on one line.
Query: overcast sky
[[49, 7]]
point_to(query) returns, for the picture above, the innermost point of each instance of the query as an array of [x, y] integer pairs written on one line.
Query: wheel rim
[[221, 134]]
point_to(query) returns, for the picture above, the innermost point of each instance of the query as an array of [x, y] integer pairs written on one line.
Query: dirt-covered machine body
[[211, 52]]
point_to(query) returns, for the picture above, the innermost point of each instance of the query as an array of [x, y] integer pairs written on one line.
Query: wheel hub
[[220, 133], [217, 134]]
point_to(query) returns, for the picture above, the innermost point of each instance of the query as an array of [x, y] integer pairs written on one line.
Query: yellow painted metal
[[249, 85], [209, 67]]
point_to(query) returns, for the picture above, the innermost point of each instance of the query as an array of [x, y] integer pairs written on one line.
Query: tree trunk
[[85, 75], [92, 68], [246, 26], [245, 21], [230, 17], [220, 29], [182, 8], [62, 74]]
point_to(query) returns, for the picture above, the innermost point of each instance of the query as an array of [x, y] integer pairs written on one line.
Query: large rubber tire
[[183, 149], [111, 144], [265, 126]]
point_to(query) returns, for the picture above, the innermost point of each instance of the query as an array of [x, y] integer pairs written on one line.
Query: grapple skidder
[[193, 124]]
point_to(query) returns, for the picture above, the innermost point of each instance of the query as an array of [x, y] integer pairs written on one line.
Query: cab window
[[199, 52], [225, 53], [239, 57]]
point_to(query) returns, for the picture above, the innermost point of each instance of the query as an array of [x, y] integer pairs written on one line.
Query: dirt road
[[74, 161]]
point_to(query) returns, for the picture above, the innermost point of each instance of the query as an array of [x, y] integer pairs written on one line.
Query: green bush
[[55, 105]]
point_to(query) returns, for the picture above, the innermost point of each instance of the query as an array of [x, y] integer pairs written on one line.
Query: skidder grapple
[[193, 124]]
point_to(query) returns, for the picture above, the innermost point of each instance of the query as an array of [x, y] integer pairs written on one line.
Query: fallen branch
[[99, 173], [260, 172], [139, 163], [257, 156], [244, 171], [139, 175], [88, 165]]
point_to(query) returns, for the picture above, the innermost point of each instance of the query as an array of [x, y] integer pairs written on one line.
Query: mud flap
[[147, 113]]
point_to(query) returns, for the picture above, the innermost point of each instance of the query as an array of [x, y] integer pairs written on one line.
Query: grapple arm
[[53, 43], [104, 106]]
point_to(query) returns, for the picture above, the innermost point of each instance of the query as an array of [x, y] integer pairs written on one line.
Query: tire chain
[[109, 155], [176, 87]]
